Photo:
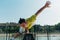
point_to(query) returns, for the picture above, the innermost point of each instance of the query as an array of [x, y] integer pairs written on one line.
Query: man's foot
[[12, 39]]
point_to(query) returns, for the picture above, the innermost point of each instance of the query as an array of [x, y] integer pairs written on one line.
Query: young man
[[26, 24]]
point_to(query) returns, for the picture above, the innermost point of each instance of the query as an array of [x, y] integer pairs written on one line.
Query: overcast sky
[[12, 10]]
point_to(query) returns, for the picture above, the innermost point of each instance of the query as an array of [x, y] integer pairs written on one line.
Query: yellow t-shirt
[[30, 21]]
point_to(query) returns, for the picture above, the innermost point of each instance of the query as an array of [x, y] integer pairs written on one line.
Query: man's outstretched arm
[[45, 6]]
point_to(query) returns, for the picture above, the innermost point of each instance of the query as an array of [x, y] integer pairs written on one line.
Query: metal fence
[[37, 36]]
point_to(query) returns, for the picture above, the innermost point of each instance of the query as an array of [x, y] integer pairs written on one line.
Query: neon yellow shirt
[[30, 21]]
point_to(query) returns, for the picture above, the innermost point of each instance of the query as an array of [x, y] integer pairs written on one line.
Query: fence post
[[6, 31]]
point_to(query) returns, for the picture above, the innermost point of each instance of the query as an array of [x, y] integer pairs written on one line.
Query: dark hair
[[21, 20]]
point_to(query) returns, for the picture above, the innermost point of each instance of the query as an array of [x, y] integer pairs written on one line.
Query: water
[[50, 38], [37, 38]]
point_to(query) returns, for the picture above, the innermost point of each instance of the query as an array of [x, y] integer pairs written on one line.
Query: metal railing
[[7, 36]]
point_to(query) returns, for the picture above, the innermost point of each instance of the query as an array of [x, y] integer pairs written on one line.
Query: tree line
[[37, 28]]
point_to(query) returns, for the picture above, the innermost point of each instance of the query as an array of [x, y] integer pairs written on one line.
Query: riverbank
[[40, 35], [51, 35]]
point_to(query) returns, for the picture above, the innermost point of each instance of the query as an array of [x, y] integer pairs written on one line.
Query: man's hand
[[47, 4]]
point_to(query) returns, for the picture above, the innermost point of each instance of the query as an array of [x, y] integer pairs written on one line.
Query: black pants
[[28, 37]]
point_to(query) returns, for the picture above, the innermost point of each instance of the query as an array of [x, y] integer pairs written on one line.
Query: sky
[[12, 10]]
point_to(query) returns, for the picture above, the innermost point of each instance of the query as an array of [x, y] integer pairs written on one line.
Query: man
[[26, 24]]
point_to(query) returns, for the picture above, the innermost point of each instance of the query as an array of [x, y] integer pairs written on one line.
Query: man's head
[[22, 22]]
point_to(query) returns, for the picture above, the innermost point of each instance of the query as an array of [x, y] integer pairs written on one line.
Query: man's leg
[[15, 36], [27, 31]]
